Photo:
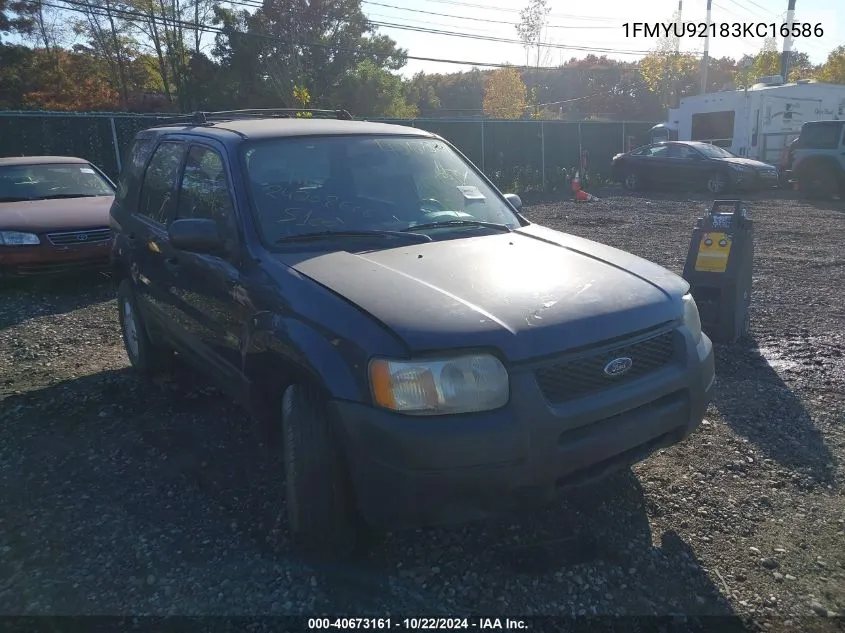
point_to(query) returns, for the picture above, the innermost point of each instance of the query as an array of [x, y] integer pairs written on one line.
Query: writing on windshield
[[365, 183]]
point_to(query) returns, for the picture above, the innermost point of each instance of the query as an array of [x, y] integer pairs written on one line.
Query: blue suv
[[422, 353]]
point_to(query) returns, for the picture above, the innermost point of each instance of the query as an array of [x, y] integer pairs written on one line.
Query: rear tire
[[717, 182], [147, 358], [818, 182], [322, 516]]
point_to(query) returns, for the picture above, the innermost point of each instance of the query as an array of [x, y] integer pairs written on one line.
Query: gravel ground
[[126, 498]]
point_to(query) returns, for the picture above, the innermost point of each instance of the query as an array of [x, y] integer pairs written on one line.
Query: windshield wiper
[[447, 223], [327, 235]]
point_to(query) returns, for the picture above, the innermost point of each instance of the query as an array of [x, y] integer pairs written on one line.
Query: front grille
[[583, 376], [80, 238]]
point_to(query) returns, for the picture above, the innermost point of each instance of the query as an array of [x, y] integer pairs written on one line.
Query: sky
[[596, 24]]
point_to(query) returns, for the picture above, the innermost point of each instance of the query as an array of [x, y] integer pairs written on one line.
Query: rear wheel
[[632, 181], [146, 357], [717, 182], [322, 516], [818, 181]]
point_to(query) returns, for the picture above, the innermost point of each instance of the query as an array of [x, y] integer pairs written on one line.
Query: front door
[[684, 165], [206, 289]]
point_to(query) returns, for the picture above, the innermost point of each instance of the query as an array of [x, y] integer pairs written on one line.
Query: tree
[[17, 16], [532, 20], [373, 91], [833, 70], [110, 39], [317, 43], [504, 94], [670, 75], [422, 93]]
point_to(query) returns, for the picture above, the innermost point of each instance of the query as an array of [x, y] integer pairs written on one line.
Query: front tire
[[146, 357], [818, 182], [322, 516], [632, 181]]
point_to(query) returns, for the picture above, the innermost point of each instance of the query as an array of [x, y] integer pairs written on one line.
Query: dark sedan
[[691, 163], [54, 215]]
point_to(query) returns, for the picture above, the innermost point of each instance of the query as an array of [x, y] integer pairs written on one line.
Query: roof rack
[[202, 118]]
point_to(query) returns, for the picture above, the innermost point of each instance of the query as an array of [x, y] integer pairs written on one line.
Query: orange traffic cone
[[583, 196]]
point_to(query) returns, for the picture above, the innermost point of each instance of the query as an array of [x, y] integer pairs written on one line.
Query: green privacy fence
[[518, 156]]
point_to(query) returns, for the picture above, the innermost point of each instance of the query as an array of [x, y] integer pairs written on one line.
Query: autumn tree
[[670, 75], [833, 70], [504, 94]]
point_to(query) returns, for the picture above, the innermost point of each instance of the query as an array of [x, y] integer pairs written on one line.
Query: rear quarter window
[[129, 182]]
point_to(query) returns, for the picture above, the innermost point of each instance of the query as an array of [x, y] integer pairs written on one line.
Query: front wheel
[[818, 182], [146, 357], [632, 181], [322, 516], [717, 182]]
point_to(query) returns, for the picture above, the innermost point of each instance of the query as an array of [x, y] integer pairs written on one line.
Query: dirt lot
[[125, 498]]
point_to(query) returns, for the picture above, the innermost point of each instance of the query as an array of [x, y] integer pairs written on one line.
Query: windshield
[[42, 182], [366, 183], [711, 151]]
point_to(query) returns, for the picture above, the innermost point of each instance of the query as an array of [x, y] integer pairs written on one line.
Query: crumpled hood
[[529, 293], [55, 215]]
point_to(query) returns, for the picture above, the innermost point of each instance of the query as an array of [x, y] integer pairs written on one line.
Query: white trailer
[[755, 123]]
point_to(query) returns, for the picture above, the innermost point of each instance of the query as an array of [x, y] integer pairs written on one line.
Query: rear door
[[147, 230]]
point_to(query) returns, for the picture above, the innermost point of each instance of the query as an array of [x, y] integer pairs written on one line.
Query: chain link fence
[[520, 156]]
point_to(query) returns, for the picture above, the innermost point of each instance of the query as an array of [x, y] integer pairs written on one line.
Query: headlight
[[16, 238], [691, 318], [438, 386]]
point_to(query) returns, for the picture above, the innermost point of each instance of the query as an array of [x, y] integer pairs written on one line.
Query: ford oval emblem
[[618, 366]]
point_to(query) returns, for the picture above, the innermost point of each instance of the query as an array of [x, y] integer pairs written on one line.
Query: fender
[[332, 363]]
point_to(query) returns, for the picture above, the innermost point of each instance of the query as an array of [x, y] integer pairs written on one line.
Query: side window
[[204, 191], [160, 182], [681, 151], [657, 150]]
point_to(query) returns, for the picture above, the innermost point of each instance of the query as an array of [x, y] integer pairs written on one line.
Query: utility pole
[[787, 41], [678, 26], [706, 59]]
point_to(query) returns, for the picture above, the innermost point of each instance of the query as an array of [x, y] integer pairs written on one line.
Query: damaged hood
[[528, 293]]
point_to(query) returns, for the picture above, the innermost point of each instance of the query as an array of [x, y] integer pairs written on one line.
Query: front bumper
[[411, 472], [46, 259], [757, 180]]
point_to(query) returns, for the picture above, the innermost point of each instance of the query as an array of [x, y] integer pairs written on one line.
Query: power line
[[100, 12], [507, 10], [505, 40], [470, 28], [487, 20], [491, 38]]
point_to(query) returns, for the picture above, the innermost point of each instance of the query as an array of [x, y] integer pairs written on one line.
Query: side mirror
[[515, 200], [197, 235]]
